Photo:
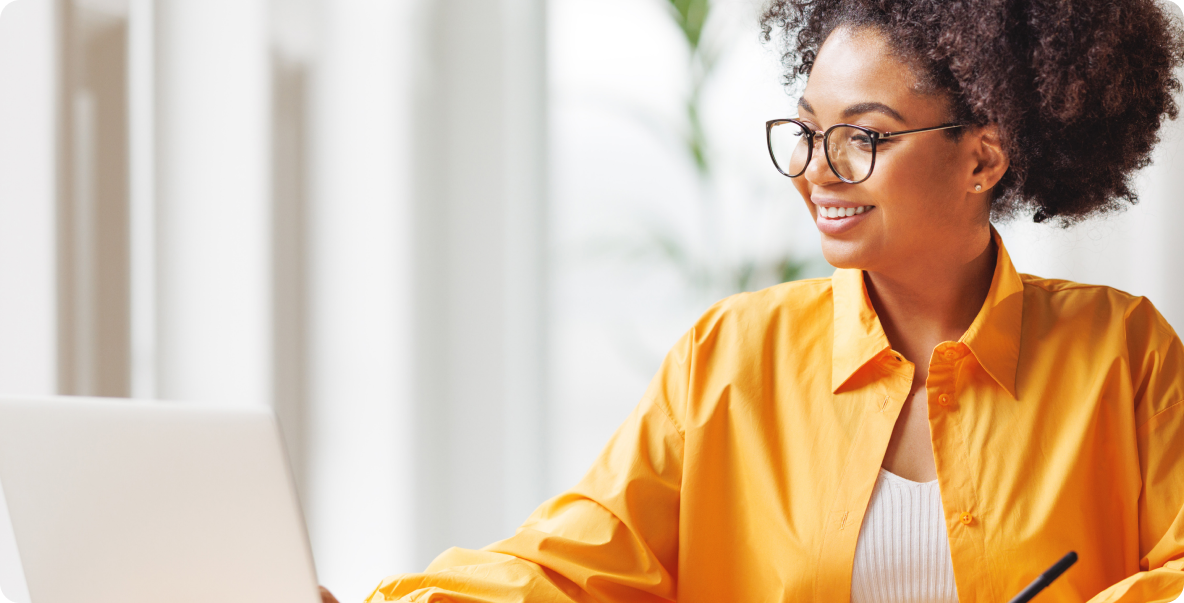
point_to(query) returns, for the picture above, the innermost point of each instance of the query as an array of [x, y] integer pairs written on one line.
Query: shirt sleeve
[[614, 537], [1158, 378]]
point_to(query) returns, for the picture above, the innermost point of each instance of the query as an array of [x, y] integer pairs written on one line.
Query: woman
[[927, 424]]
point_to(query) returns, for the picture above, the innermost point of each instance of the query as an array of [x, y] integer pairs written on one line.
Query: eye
[[860, 140]]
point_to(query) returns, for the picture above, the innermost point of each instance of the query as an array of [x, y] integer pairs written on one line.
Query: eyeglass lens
[[851, 150]]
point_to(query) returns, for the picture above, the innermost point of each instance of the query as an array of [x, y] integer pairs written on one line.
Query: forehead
[[857, 66]]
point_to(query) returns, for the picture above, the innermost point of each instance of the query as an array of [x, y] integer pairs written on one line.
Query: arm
[[1157, 364], [614, 537], [1162, 506]]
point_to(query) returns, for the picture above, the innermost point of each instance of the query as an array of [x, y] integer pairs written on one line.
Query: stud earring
[[978, 188]]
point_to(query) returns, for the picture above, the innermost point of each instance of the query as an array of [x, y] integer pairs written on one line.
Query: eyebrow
[[859, 109]]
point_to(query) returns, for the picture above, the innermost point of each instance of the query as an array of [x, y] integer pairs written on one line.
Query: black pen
[[1045, 579]]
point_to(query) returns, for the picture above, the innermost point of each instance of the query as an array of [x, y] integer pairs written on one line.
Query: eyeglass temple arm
[[887, 135]]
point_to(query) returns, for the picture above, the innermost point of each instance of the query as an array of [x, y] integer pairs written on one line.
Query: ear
[[990, 161]]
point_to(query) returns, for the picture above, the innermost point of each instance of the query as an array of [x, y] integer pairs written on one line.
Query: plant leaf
[[691, 15]]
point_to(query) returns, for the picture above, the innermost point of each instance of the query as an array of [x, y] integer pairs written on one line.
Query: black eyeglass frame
[[875, 136]]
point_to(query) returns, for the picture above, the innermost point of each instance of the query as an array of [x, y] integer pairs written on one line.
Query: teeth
[[843, 212]]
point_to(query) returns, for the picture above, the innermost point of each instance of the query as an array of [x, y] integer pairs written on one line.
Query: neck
[[932, 302]]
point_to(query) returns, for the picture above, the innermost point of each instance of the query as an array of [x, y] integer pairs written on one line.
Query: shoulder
[[782, 324], [738, 339], [1112, 326], [1063, 291], [1099, 304], [796, 305]]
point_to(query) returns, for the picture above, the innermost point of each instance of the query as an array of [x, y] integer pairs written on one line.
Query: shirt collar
[[993, 337]]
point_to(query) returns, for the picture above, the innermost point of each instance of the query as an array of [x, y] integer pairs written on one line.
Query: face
[[920, 201]]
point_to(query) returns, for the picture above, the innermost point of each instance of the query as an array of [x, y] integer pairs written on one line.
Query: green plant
[[708, 277], [691, 17]]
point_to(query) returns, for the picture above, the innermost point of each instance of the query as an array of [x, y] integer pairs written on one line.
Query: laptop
[[120, 501]]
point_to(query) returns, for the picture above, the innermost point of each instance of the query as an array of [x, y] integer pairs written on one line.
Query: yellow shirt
[[743, 475]]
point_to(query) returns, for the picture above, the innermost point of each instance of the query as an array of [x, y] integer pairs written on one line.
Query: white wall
[[427, 265], [28, 105], [142, 195], [360, 484], [479, 269], [212, 81]]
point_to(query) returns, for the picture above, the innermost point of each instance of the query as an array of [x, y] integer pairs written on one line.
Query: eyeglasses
[[850, 150]]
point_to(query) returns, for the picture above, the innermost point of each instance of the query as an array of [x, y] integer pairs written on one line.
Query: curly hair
[[1078, 88]]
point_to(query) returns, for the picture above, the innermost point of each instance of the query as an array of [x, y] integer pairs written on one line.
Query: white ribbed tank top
[[903, 552]]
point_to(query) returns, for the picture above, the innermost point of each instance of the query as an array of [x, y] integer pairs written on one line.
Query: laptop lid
[[119, 501]]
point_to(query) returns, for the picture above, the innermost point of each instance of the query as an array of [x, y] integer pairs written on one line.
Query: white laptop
[[117, 501]]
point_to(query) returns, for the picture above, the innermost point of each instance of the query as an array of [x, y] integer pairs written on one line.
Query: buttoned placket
[[960, 498]]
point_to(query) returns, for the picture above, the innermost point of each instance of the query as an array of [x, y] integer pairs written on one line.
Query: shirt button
[[951, 354], [943, 399], [966, 519]]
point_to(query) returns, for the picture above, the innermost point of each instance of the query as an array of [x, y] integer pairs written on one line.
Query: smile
[[834, 213]]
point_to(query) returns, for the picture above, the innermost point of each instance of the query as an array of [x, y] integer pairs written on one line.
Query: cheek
[[899, 191], [918, 184], [939, 172]]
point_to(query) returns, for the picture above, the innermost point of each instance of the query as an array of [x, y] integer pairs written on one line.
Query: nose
[[818, 172]]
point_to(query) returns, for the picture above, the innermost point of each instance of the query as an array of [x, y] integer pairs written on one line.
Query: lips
[[837, 217]]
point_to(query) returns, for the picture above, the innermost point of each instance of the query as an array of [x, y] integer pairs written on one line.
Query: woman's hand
[[327, 597]]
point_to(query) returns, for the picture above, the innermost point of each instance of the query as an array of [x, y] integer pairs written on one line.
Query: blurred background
[[448, 241]]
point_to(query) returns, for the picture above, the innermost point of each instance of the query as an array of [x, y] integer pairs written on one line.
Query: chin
[[845, 254]]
